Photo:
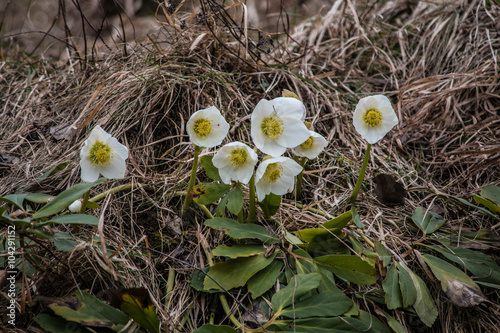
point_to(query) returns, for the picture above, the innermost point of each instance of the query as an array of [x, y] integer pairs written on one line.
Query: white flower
[[207, 128], [374, 117], [235, 161], [278, 124], [76, 206], [311, 147], [102, 154], [276, 175]]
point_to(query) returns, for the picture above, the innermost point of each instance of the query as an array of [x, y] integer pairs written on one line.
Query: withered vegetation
[[438, 62]]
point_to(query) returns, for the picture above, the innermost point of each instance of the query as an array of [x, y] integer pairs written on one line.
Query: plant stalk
[[251, 209], [361, 176], [192, 179]]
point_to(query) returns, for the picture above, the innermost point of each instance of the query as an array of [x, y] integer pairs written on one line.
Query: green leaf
[[210, 170], [55, 324], [318, 305], [408, 291], [235, 200], [15, 221], [350, 267], [270, 204], [339, 222], [312, 234], [71, 219], [394, 324], [481, 265], [356, 218], [64, 241], [384, 254], [52, 171], [243, 250], [427, 220], [445, 272], [465, 202], [206, 193], [241, 231], [424, 305], [235, 272], [487, 203], [66, 198], [198, 279], [90, 311], [265, 279], [298, 286], [137, 303], [14, 199], [209, 328], [393, 297], [491, 192], [40, 198]]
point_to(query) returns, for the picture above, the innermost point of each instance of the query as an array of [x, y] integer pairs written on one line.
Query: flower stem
[[251, 208], [84, 202], [361, 176], [192, 179], [298, 189]]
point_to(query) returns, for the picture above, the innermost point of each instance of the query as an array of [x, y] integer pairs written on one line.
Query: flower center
[[238, 157], [272, 127], [100, 153], [202, 127], [308, 143], [273, 172], [373, 117]]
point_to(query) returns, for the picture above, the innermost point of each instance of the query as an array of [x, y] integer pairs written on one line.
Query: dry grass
[[437, 62]]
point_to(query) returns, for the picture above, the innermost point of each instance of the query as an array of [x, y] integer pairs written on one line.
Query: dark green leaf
[[52, 171], [235, 251], [71, 219], [210, 170], [241, 231], [235, 200], [318, 305], [339, 222], [207, 193], [265, 279], [384, 254], [14, 199], [65, 198], [445, 272], [350, 267], [15, 221], [40, 198], [427, 220], [298, 286], [270, 204], [55, 324], [491, 192], [356, 218], [209, 328], [64, 241], [408, 291], [137, 303], [393, 297], [235, 272], [424, 305], [198, 279]]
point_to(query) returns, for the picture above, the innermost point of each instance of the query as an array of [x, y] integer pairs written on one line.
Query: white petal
[[117, 148], [294, 134], [290, 107], [221, 159], [89, 173], [115, 170], [225, 176]]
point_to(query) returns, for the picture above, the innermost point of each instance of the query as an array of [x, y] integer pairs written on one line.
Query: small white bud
[[75, 206]]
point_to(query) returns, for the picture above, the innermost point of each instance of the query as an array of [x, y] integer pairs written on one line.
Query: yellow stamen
[[273, 172], [203, 127], [272, 127], [373, 117], [308, 143], [100, 154], [238, 157]]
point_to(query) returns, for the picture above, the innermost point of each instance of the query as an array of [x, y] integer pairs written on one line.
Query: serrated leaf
[[446, 272], [427, 220], [235, 200], [393, 297], [408, 291], [137, 303], [210, 170], [265, 279], [424, 305], [235, 251], [207, 193], [384, 254], [209, 328], [298, 286], [241, 231], [65, 198], [90, 311], [350, 267], [491, 192], [235, 272]]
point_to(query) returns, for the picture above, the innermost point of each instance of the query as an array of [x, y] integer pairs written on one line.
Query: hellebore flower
[[102, 154], [311, 147], [207, 128], [276, 175], [374, 117], [235, 161]]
